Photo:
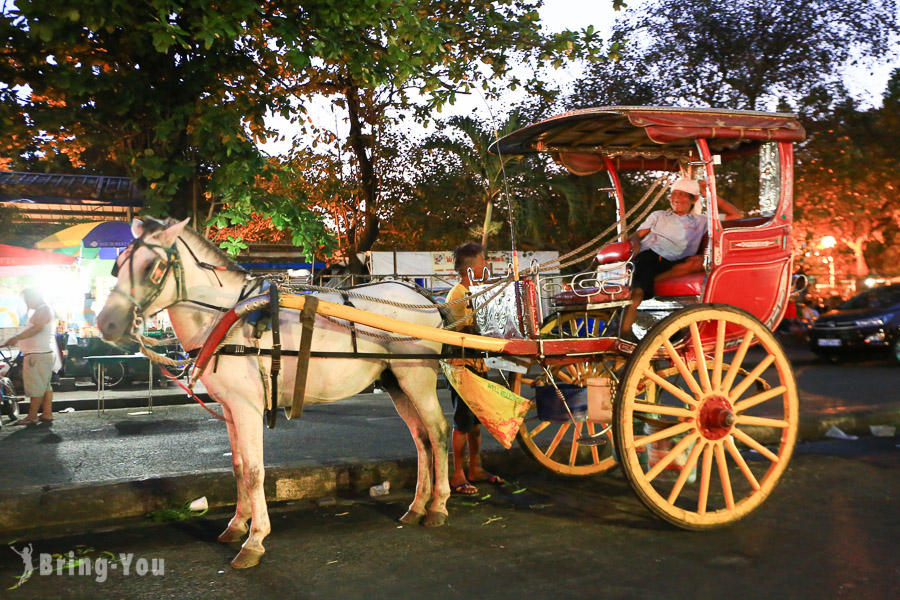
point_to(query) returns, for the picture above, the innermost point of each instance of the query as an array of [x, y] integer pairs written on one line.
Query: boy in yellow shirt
[[469, 262]]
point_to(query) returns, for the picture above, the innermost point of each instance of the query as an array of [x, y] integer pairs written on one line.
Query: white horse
[[169, 267]]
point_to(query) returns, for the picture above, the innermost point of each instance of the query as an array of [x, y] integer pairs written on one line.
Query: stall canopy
[[16, 261], [106, 237]]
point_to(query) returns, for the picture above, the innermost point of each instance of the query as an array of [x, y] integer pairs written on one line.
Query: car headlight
[[875, 338], [873, 322]]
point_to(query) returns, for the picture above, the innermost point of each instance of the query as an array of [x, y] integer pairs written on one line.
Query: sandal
[[464, 489], [496, 479], [25, 422], [46, 420]]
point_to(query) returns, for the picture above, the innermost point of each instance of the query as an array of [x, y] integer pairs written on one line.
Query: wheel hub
[[716, 418]]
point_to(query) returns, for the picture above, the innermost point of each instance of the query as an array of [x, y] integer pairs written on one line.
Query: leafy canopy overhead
[[175, 93]]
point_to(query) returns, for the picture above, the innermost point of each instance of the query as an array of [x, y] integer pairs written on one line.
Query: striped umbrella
[[105, 237]]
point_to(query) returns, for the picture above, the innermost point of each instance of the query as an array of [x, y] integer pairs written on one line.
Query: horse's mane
[[208, 245], [152, 225]]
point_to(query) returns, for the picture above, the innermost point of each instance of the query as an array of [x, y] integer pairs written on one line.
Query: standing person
[[37, 342], [666, 243], [467, 258]]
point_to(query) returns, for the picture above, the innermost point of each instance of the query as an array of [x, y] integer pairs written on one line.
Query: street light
[[828, 241]]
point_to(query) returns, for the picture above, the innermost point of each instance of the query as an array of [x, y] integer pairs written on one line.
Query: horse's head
[[147, 277]]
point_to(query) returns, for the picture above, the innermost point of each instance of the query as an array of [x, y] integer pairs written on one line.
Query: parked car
[[866, 323]]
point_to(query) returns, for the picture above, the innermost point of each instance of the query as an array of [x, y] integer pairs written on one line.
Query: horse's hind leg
[[237, 527], [424, 483], [419, 386], [248, 425]]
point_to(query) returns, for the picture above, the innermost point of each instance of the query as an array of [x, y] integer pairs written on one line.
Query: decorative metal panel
[[769, 179]]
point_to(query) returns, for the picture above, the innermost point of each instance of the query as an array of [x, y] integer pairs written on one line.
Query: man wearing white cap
[[666, 239]]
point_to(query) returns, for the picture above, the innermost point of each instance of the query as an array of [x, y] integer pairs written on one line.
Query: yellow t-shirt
[[460, 310], [457, 312]]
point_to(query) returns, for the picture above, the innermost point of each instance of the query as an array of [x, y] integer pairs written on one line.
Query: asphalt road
[[828, 531]]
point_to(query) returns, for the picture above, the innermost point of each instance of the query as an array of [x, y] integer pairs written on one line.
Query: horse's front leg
[[248, 423], [237, 527]]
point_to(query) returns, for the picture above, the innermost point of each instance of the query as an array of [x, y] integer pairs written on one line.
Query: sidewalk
[[95, 468]]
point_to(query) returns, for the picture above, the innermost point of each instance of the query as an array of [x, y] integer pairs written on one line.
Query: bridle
[[162, 267]]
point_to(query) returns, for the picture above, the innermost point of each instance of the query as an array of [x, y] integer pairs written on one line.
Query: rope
[[595, 241]]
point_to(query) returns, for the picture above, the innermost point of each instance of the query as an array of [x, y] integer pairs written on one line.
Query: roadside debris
[[883, 430], [836, 434]]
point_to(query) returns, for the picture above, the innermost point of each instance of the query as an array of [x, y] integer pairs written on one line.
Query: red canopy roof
[[648, 137]]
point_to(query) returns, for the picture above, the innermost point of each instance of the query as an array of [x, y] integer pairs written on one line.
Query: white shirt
[[44, 340], [671, 236]]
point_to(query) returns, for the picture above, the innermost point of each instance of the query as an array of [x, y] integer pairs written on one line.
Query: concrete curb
[[80, 506]]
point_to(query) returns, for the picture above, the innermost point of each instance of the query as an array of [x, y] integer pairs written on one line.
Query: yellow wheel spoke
[[718, 360], [705, 476], [595, 453], [674, 453], [573, 453], [686, 471], [682, 368], [701, 358], [741, 463], [759, 398], [723, 476], [761, 421], [544, 425], [557, 439], [749, 441], [738, 361], [663, 434], [751, 377], [662, 409], [671, 388]]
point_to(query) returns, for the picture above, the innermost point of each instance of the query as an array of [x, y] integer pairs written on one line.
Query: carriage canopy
[[647, 137]]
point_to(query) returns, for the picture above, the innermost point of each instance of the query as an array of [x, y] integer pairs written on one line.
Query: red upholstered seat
[[613, 253], [589, 296], [683, 285]]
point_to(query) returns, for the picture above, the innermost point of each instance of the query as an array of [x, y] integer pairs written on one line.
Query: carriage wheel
[[556, 445], [703, 441], [574, 324]]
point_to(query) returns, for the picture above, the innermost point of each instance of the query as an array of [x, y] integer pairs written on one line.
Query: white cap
[[687, 185]]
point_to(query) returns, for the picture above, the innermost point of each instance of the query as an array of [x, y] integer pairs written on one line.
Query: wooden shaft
[[433, 334]]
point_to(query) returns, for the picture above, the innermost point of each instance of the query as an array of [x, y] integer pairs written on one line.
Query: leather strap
[[272, 408], [307, 322]]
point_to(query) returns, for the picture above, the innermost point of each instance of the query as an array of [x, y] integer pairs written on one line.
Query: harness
[[168, 261]]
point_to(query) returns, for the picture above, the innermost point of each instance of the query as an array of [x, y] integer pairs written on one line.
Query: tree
[[846, 184], [175, 93], [749, 54]]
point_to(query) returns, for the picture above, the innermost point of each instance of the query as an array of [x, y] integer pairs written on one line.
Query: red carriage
[[703, 425]]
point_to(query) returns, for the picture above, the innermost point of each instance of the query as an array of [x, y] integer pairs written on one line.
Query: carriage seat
[[610, 257], [683, 285], [589, 296]]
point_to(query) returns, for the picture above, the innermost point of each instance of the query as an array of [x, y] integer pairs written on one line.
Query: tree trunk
[[368, 182]]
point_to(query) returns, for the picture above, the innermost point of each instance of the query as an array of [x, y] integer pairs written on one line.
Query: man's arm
[[635, 240], [728, 210], [41, 317]]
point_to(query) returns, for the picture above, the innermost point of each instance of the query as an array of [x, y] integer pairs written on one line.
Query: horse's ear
[[167, 236], [137, 228]]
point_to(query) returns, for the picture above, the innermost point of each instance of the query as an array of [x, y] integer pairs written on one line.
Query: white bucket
[[658, 450], [599, 399]]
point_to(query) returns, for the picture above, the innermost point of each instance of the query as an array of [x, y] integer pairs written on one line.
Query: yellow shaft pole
[[362, 317]]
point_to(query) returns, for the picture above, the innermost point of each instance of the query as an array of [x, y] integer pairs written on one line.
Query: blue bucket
[[550, 407]]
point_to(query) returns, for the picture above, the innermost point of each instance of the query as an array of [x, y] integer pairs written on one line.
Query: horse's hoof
[[411, 517], [246, 559], [232, 534], [435, 519]]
